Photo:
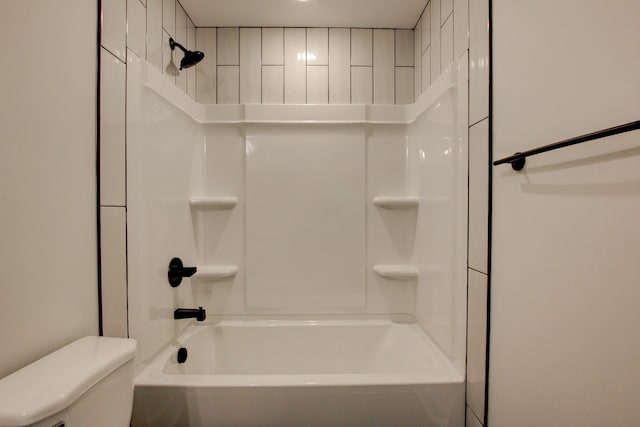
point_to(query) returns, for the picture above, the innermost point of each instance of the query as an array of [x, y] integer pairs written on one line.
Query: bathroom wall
[[305, 66], [48, 249], [564, 289]]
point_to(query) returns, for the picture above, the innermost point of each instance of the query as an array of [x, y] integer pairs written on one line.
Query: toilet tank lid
[[54, 382]]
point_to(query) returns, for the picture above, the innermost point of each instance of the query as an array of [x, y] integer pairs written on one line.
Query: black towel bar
[[518, 159]]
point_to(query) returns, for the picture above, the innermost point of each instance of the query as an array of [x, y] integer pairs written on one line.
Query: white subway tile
[[478, 60], [404, 48], [317, 46], [181, 37], [361, 85], [404, 85], [250, 65], [191, 72], [228, 46], [435, 39], [446, 43], [361, 47], [383, 66], [112, 130], [136, 28], [426, 69], [206, 70], [228, 84], [317, 84], [446, 7], [113, 270], [272, 84], [295, 66], [417, 60], [169, 16], [114, 31], [272, 46], [426, 27], [460, 27], [476, 341], [478, 195], [169, 68], [339, 66], [154, 33]]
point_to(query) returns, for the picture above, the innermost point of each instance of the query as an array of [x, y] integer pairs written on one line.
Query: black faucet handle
[[177, 271]]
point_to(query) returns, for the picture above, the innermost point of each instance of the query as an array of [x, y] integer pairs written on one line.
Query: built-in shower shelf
[[213, 203], [396, 272], [215, 272], [396, 202]]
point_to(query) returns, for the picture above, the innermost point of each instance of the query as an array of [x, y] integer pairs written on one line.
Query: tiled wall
[[305, 66]]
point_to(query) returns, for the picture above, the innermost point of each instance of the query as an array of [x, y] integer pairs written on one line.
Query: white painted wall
[[564, 347], [48, 248]]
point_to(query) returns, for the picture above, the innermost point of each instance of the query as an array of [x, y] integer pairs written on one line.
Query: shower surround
[[307, 213]]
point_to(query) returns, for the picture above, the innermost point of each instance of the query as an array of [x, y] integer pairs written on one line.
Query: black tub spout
[[188, 313]]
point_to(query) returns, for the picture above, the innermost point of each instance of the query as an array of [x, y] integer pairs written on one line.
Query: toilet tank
[[86, 383]]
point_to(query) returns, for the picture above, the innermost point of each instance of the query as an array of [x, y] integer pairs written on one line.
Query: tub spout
[[187, 313]]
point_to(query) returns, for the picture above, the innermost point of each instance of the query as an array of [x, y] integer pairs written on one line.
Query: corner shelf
[[396, 202], [215, 272], [396, 272], [213, 203]]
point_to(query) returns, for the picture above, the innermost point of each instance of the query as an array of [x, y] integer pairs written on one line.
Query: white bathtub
[[301, 373]]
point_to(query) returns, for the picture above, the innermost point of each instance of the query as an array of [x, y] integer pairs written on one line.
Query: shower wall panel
[[305, 217]]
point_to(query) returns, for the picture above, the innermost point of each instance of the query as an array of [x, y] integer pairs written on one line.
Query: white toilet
[[88, 383]]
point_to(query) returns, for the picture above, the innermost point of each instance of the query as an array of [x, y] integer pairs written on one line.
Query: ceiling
[[305, 13]]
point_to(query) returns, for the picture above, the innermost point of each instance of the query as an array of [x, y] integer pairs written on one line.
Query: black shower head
[[191, 57]]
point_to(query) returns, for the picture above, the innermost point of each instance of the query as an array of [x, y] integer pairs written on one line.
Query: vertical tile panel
[[206, 71], [361, 85], [426, 69], [476, 342], [114, 31], [426, 28], [181, 37], [435, 39], [361, 47], [295, 70], [113, 272], [317, 46], [317, 84], [478, 60], [228, 84], [154, 33], [272, 46], [272, 84], [478, 197], [169, 68], [417, 60], [404, 48], [383, 66], [446, 43], [191, 72], [169, 16], [136, 28], [446, 7], [112, 130], [228, 46], [460, 27], [404, 85], [339, 66], [250, 65]]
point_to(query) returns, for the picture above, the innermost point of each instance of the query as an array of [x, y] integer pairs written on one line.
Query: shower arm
[[173, 44]]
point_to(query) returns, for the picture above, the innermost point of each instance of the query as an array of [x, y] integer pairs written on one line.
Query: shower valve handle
[[177, 271]]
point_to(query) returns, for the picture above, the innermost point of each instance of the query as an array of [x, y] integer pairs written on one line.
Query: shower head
[[191, 57]]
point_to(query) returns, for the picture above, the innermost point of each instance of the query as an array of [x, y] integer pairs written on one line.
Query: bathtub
[[301, 373]]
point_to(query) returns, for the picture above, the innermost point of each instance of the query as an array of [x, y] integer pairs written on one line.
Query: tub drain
[[182, 355]]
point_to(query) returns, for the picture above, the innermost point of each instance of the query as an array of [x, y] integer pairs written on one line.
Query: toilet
[[88, 383]]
